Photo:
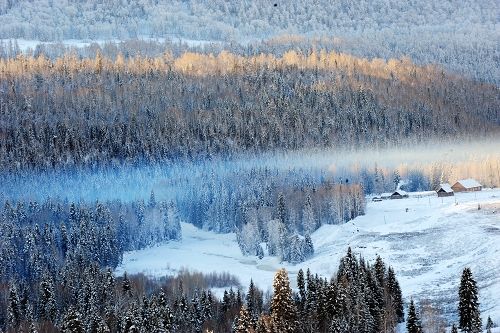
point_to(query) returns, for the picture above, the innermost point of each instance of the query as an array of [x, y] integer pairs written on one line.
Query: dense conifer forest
[[458, 34], [189, 118], [76, 293], [72, 111]]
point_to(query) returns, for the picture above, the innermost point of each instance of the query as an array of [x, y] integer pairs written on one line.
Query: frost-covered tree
[[396, 178], [243, 322], [283, 309], [72, 322], [396, 296], [152, 200], [13, 307], [489, 325], [249, 238], [47, 305], [171, 222], [413, 321], [468, 305], [308, 221]]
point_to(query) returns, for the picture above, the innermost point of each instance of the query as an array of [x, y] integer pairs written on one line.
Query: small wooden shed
[[445, 190], [467, 185], [399, 194]]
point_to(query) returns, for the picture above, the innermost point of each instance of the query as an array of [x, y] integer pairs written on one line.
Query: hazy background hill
[[462, 35]]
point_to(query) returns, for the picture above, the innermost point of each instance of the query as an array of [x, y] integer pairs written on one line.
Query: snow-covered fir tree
[[413, 320], [72, 322], [283, 309], [468, 305], [489, 325]]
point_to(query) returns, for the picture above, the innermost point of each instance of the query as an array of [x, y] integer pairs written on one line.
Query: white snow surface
[[428, 247], [25, 44]]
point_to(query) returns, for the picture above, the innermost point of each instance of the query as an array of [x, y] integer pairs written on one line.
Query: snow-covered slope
[[427, 240]]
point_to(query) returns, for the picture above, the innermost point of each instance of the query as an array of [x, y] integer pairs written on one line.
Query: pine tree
[[301, 285], [130, 323], [339, 326], [126, 288], [308, 221], [72, 322], [283, 310], [281, 209], [254, 303], [489, 325], [396, 179], [380, 271], [47, 305], [264, 325], [244, 323], [260, 252], [308, 247], [13, 307], [152, 200], [395, 294], [468, 306], [413, 321]]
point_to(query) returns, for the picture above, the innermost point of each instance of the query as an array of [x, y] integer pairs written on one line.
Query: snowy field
[[427, 240], [26, 44]]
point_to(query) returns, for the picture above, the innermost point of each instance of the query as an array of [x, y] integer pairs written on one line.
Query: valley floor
[[428, 241]]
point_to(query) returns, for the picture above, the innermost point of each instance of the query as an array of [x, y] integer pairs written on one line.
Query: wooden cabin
[[399, 194], [467, 185], [445, 190]]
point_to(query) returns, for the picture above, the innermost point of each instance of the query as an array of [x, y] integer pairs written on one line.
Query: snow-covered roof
[[445, 187], [400, 192], [421, 194], [469, 183]]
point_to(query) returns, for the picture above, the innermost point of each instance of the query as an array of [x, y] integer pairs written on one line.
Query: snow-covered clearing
[[26, 44], [427, 240]]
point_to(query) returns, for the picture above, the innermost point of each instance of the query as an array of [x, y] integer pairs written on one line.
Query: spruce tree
[[308, 221], [413, 321], [264, 325], [243, 322], [72, 322], [281, 209], [47, 305], [283, 310], [260, 252], [489, 325], [301, 285], [126, 288], [152, 200], [339, 326], [13, 307], [396, 179], [395, 294], [380, 271], [308, 247], [252, 300], [468, 306]]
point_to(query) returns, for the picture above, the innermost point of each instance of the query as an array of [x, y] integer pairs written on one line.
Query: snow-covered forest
[[461, 35], [273, 130], [108, 111]]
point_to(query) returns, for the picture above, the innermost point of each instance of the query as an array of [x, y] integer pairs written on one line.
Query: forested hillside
[[73, 294], [163, 138], [461, 35], [102, 111]]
